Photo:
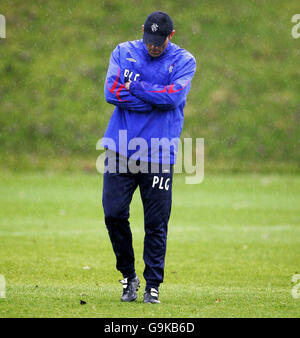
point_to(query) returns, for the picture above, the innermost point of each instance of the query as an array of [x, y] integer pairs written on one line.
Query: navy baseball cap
[[157, 27]]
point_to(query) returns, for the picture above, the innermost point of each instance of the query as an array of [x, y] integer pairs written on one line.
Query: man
[[148, 81]]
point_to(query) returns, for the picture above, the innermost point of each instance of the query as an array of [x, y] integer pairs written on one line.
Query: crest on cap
[[154, 27]]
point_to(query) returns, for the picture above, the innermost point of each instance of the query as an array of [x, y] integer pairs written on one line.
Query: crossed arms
[[142, 96]]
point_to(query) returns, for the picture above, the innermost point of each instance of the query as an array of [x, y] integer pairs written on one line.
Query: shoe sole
[[128, 301], [153, 302]]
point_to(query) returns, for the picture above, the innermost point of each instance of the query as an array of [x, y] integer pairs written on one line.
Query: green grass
[[232, 238]]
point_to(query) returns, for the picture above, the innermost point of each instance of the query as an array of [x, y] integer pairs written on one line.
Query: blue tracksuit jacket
[[153, 106]]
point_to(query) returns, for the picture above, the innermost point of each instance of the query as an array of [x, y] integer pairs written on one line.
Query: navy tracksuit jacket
[[151, 108]]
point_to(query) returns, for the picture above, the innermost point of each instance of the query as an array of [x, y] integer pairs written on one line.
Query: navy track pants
[[156, 195]]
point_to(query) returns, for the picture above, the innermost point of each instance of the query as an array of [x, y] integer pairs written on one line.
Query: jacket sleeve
[[167, 96], [115, 92]]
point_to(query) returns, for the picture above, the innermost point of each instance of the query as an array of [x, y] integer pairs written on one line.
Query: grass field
[[234, 239]]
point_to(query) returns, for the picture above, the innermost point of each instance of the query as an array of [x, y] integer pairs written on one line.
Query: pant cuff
[[152, 285], [130, 275]]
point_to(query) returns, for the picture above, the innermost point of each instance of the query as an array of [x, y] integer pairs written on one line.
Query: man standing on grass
[[148, 81]]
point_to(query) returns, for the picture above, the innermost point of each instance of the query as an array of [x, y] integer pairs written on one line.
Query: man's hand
[[127, 85]]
